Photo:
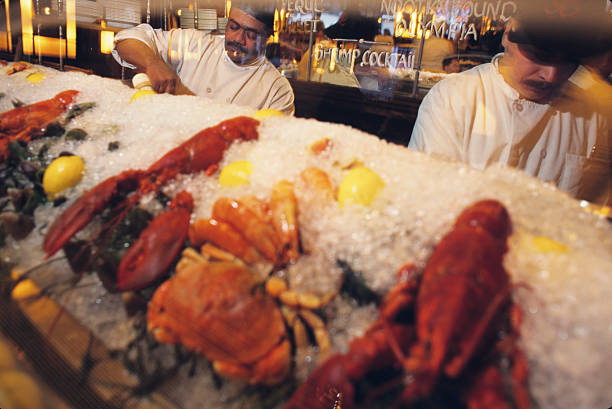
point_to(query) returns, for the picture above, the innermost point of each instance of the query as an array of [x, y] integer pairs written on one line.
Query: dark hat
[[573, 28], [259, 9]]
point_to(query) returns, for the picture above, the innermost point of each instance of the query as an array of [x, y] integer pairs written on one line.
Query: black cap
[[259, 9], [572, 28]]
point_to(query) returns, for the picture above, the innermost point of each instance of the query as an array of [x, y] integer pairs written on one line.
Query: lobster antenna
[[29, 271]]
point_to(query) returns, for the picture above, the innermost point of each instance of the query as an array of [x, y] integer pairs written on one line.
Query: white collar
[[254, 65], [507, 88]]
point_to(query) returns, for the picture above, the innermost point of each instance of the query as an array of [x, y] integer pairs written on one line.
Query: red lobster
[[160, 242], [30, 121], [440, 332]]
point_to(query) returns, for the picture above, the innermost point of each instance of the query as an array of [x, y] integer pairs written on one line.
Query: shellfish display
[[299, 248]]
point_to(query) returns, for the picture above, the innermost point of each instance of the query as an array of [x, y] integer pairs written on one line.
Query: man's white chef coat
[[200, 61], [477, 118]]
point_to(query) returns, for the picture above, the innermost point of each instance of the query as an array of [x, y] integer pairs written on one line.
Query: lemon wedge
[[546, 245], [360, 186], [266, 113], [35, 77], [19, 391], [62, 173], [236, 174], [6, 357], [141, 93]]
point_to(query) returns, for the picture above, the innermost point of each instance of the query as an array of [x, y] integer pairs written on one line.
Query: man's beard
[[540, 85], [542, 90], [240, 54]]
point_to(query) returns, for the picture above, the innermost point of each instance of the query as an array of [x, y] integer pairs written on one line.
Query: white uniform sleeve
[[172, 46], [436, 129], [282, 97], [144, 33]]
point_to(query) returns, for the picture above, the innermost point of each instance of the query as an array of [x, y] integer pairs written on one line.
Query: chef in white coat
[[521, 111], [233, 69]]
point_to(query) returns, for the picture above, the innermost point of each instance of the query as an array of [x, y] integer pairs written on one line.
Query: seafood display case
[[170, 252]]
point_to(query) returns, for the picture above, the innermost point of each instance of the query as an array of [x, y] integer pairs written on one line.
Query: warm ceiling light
[[107, 39], [47, 10]]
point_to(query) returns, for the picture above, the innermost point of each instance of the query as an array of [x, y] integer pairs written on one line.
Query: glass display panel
[[379, 46]]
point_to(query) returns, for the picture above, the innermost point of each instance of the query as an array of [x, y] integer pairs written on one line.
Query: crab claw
[[157, 246]]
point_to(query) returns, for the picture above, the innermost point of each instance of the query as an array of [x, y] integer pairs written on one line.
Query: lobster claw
[[157, 246], [80, 213], [30, 121], [65, 98], [328, 387]]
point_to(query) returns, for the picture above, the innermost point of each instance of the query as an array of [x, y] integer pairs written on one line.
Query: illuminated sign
[[370, 58], [303, 6], [494, 10], [389, 60], [449, 18]]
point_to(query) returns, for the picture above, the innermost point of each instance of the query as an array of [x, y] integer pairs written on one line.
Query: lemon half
[[62, 173], [236, 174], [18, 390], [360, 186], [141, 93], [266, 113]]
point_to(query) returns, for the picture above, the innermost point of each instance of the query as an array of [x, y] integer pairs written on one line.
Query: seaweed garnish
[[103, 255], [79, 109], [76, 134], [17, 102], [17, 150], [21, 190], [3, 234], [6, 282], [54, 130], [254, 396], [354, 286], [150, 361]]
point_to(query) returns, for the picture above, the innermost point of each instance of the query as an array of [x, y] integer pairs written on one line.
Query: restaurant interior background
[[371, 61]]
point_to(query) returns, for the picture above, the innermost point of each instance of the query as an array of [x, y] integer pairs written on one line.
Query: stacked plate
[[187, 18], [207, 19], [86, 11], [221, 24]]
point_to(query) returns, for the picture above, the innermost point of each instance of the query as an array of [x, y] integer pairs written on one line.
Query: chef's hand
[[163, 78]]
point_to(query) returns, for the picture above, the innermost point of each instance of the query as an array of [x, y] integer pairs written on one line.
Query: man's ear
[[510, 25]]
